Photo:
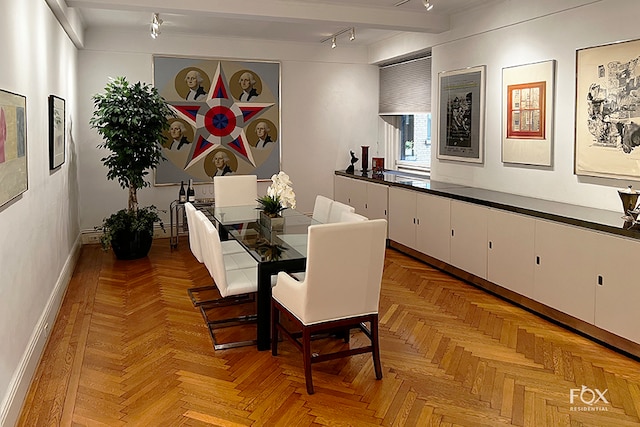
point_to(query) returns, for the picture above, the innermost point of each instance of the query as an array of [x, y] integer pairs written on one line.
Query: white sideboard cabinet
[[368, 198], [581, 272]]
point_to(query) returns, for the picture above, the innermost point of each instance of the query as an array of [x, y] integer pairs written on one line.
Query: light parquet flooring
[[129, 349]]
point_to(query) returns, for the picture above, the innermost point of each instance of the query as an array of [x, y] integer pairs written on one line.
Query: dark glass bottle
[[182, 194], [191, 194]]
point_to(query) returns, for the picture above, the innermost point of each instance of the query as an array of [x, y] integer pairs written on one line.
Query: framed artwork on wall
[[227, 118], [13, 146], [607, 124], [461, 114], [527, 113], [57, 141]]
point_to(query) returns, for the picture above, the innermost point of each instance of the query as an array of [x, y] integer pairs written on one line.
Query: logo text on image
[[588, 396]]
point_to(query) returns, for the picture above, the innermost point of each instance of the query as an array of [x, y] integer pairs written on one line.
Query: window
[[405, 107], [414, 144]]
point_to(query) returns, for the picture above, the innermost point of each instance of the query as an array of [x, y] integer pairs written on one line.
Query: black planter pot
[[132, 244]]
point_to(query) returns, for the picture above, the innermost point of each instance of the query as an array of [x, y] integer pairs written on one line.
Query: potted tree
[[132, 119]]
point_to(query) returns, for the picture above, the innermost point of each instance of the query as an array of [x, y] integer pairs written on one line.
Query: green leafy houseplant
[[131, 119]]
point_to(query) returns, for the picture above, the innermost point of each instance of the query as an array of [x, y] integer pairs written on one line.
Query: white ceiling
[[308, 21]]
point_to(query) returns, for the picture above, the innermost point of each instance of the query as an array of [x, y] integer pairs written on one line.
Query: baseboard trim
[[19, 386]]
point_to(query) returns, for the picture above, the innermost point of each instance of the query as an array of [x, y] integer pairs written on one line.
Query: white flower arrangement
[[280, 195]]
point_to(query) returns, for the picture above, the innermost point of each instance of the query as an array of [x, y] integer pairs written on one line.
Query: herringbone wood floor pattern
[[128, 348]]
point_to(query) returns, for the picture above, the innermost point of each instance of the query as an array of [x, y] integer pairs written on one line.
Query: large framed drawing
[[13, 146], [461, 114], [227, 118], [57, 144], [607, 128], [527, 113]]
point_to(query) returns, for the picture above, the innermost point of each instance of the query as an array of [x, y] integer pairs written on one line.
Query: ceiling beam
[[284, 11]]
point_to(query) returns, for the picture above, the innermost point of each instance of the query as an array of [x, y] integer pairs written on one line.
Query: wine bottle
[[191, 194], [182, 195]]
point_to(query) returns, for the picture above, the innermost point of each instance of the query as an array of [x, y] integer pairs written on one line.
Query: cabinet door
[[510, 260], [469, 237], [342, 188], [402, 216], [377, 203], [433, 235], [565, 269], [617, 289]]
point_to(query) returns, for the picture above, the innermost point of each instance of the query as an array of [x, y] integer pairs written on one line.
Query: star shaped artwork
[[219, 121]]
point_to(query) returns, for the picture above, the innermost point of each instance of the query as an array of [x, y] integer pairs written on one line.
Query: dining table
[[276, 248]]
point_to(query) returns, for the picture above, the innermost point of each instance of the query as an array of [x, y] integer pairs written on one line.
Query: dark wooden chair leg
[[306, 354], [275, 319], [375, 343]]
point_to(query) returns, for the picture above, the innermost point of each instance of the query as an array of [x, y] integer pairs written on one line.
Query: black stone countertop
[[581, 216]]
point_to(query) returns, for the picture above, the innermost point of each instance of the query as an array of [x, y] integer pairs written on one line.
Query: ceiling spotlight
[[333, 43], [155, 26], [352, 37], [428, 4]]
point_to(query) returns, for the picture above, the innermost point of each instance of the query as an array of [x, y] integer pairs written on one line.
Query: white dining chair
[[340, 291], [235, 190], [322, 208], [337, 208], [347, 216], [236, 285], [232, 249]]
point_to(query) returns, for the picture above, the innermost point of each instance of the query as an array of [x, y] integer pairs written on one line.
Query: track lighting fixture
[[427, 3], [333, 37], [155, 25]]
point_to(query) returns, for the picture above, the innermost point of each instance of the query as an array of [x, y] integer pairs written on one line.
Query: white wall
[[513, 33], [329, 104], [40, 228]]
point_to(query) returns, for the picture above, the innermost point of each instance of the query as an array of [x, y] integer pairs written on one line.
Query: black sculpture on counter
[[351, 168]]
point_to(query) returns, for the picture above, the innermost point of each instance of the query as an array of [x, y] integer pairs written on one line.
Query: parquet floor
[[128, 348]]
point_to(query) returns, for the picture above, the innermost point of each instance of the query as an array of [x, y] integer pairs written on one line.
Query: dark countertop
[[581, 216]]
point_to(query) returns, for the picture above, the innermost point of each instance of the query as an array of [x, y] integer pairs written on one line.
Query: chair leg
[[306, 355], [375, 344], [275, 319]]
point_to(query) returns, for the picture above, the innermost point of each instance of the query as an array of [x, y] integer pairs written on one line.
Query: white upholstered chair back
[[337, 208], [322, 208], [212, 253], [235, 190], [352, 217], [194, 241], [343, 275]]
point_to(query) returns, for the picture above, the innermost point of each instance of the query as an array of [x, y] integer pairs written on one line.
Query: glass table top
[[242, 223]]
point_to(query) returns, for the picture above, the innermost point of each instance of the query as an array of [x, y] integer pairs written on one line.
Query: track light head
[[428, 4], [333, 43], [352, 37]]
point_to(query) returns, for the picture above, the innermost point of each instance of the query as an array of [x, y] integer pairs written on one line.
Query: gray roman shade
[[405, 87]]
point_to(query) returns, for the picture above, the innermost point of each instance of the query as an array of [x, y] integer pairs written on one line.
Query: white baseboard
[[19, 386], [92, 237]]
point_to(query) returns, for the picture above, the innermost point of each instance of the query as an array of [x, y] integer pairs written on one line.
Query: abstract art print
[[607, 124], [461, 115], [56, 131], [527, 113], [227, 118], [13, 146]]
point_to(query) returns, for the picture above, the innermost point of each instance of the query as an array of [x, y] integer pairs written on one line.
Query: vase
[[365, 158], [273, 223]]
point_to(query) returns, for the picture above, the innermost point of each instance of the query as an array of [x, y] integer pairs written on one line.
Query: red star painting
[[219, 121]]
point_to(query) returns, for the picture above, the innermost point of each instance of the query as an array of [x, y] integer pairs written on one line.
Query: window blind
[[405, 87]]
